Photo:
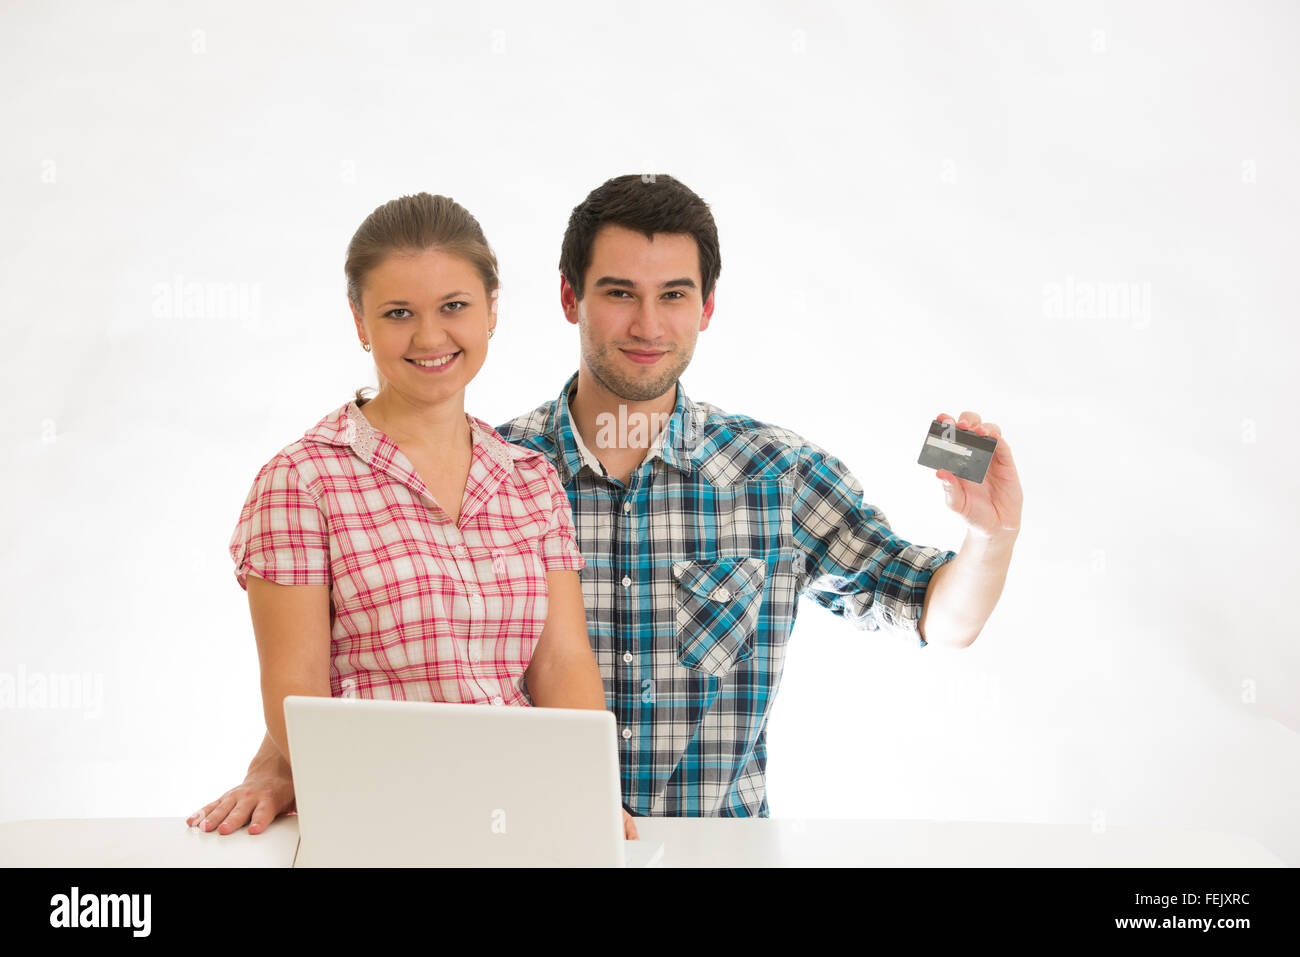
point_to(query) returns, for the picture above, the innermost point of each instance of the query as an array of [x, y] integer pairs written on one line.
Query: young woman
[[401, 548]]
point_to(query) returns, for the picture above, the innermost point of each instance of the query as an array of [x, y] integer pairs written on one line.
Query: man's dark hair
[[649, 204]]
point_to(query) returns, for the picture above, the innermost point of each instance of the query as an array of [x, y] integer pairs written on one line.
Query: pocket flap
[[720, 579]]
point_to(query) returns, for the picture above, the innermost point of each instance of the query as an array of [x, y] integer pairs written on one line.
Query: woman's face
[[428, 306]]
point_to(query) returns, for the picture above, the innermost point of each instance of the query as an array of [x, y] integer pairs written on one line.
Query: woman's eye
[[390, 312], [463, 306]]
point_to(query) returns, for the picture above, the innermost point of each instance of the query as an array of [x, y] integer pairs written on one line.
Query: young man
[[702, 529]]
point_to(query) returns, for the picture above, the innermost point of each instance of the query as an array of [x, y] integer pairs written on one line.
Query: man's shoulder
[[738, 447], [533, 430]]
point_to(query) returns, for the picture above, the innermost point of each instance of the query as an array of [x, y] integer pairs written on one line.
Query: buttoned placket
[[364, 440], [477, 616], [626, 549]]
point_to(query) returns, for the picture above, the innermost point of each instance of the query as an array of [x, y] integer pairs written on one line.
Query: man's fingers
[[954, 493]]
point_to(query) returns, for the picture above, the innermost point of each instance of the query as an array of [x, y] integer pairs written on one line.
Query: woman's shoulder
[[534, 472]]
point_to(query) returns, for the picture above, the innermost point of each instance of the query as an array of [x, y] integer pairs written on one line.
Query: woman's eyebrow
[[458, 294]]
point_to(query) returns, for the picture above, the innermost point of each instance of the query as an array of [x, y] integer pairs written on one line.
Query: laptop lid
[[404, 783]]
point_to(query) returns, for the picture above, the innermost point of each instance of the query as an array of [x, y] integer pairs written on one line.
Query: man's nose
[[647, 324]]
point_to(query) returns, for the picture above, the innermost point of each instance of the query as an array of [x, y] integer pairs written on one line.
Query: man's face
[[641, 310]]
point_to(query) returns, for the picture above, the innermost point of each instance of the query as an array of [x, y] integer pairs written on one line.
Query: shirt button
[[459, 549], [627, 656], [497, 700], [721, 594], [626, 581], [474, 653], [476, 598], [627, 507], [627, 733]]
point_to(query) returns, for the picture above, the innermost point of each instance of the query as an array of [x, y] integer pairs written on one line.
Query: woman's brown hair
[[412, 224]]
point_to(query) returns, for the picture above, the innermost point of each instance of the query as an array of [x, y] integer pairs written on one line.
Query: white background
[[915, 202]]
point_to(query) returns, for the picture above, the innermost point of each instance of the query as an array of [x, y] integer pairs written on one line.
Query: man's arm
[[850, 560], [963, 592], [961, 597]]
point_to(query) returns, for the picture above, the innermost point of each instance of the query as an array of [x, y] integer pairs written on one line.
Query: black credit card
[[964, 453]]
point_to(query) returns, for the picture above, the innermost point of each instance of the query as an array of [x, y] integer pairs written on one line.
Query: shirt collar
[[349, 428], [675, 444]]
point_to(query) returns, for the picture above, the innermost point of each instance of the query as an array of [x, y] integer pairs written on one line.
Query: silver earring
[[490, 331], [366, 346]]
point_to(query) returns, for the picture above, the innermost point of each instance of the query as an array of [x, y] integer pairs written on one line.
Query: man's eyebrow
[[629, 284], [458, 294]]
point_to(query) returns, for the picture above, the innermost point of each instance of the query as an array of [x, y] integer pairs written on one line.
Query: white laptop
[[421, 784]]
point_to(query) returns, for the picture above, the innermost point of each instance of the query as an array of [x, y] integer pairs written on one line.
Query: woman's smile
[[435, 366]]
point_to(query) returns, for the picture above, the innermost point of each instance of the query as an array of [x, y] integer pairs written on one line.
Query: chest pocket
[[716, 604]]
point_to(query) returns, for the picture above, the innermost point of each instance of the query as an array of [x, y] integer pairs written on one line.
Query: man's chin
[[650, 385]]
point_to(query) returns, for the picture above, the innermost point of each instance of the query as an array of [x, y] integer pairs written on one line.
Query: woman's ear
[[356, 319]]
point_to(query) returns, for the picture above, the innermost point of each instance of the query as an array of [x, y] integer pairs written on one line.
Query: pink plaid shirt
[[421, 609]]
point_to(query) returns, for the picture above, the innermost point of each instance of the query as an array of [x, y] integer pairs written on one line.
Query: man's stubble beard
[[601, 363]]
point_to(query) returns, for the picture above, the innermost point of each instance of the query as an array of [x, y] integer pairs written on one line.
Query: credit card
[[964, 453]]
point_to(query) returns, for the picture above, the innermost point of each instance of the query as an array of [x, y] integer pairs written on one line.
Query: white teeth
[[430, 363]]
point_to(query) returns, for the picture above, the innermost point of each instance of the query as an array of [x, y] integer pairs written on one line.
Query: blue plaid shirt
[[694, 570]]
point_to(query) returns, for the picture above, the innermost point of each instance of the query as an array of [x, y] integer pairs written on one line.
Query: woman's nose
[[431, 334]]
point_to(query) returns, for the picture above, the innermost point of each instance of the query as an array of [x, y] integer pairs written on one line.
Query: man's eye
[[618, 292], [390, 312], [676, 294]]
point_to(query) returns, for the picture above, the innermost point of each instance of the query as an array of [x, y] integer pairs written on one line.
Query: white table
[[688, 842]]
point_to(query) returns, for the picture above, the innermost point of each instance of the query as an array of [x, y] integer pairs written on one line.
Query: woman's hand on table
[[260, 799], [267, 792]]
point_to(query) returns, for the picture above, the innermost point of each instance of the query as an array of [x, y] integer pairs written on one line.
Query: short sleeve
[[282, 535], [560, 543], [852, 562]]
